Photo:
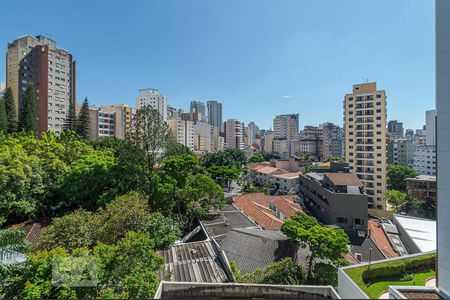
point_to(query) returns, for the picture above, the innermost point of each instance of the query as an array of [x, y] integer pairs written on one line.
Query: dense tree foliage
[[83, 122], [322, 242], [28, 120], [223, 174], [255, 158], [126, 213], [397, 176], [229, 158], [70, 123], [285, 272], [123, 270], [10, 108], [395, 198], [3, 117]]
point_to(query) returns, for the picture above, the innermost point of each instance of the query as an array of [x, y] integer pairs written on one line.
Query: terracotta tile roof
[[33, 230], [269, 170], [256, 206], [378, 236], [343, 179], [286, 205], [350, 258], [287, 175], [256, 167]]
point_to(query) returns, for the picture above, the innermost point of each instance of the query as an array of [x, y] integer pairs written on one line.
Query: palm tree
[[11, 245]]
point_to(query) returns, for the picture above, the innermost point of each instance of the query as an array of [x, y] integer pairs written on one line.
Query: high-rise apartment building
[[51, 71], [152, 97], [365, 139], [253, 130], [430, 127], [286, 126], [182, 132], [443, 148], [400, 152], [332, 140], [123, 115], [395, 130], [425, 147], [172, 112], [202, 137], [215, 114], [234, 134], [199, 107]]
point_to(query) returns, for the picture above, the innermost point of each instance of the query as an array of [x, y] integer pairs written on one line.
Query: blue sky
[[258, 57]]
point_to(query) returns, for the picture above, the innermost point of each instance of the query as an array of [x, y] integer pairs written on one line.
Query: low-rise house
[[264, 175], [336, 199], [269, 212], [286, 183]]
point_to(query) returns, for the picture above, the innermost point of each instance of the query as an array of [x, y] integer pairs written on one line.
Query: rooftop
[[256, 248], [289, 175], [269, 170], [423, 178], [170, 290], [228, 217], [258, 207], [421, 231], [193, 262], [348, 179], [379, 237]]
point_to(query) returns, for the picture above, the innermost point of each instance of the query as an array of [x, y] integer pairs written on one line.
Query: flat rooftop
[[421, 231]]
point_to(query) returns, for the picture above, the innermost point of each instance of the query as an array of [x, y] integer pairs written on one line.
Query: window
[[378, 103], [341, 220], [378, 96], [359, 221]]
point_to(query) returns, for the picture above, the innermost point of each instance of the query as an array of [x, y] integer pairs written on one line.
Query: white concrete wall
[[443, 141]]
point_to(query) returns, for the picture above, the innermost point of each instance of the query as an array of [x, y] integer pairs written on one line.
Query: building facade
[[202, 137], [425, 159], [215, 114], [365, 139], [199, 107], [336, 199], [401, 152], [152, 97], [443, 148], [182, 132], [332, 140], [422, 187], [430, 127], [395, 129], [234, 134], [50, 70], [286, 126]]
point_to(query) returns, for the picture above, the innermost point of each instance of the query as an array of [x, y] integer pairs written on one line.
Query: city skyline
[[190, 63]]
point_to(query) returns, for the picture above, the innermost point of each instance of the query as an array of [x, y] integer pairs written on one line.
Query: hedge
[[394, 268]]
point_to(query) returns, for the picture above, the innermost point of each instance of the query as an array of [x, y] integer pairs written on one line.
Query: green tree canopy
[[396, 198], [255, 158], [121, 271], [228, 158], [11, 112], [83, 122], [3, 117], [28, 121], [397, 176], [322, 242], [70, 123], [223, 174], [285, 271]]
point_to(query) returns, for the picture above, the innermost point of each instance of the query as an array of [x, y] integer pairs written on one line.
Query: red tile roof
[[378, 236], [286, 205], [343, 179], [257, 207]]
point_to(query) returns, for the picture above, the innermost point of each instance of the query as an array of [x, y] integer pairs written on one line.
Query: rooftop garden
[[411, 271]]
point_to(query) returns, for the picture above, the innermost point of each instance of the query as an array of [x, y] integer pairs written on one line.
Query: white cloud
[[287, 96]]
